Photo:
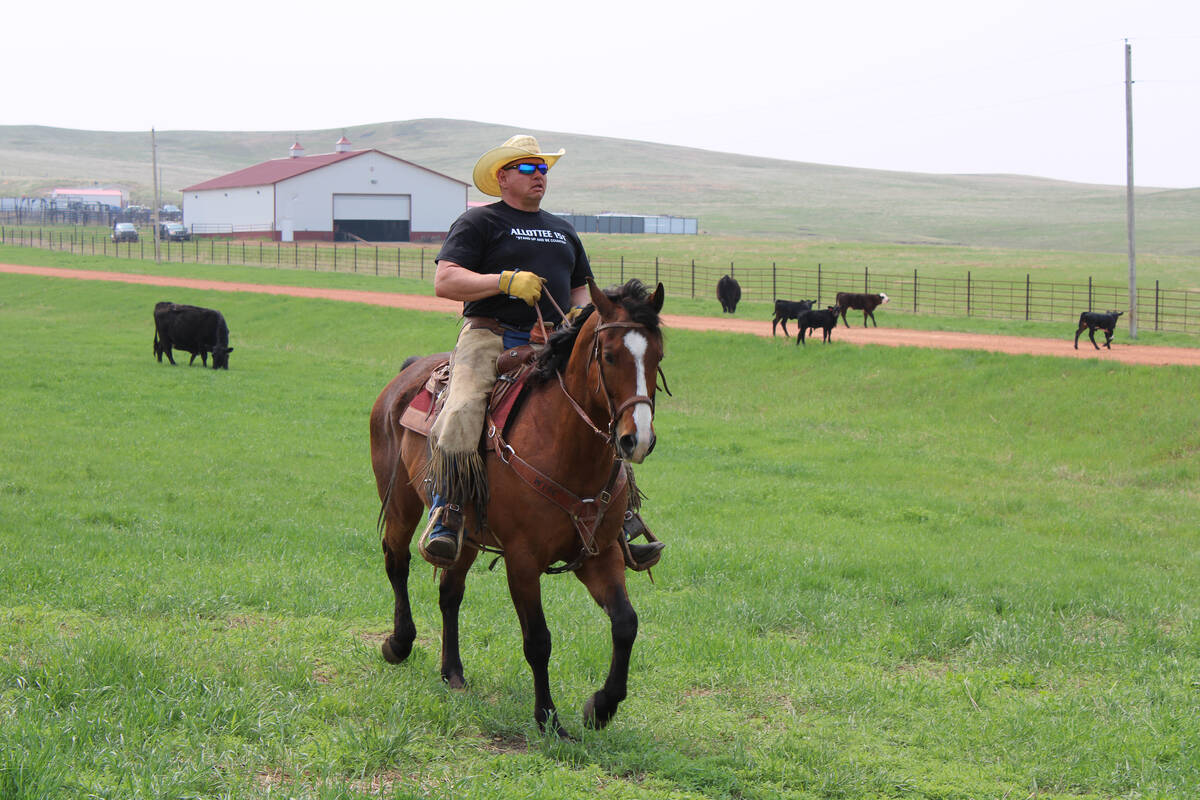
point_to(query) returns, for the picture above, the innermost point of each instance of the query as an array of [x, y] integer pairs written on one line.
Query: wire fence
[[1159, 309]]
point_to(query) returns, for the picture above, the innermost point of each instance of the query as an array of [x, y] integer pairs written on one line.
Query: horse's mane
[[633, 296]]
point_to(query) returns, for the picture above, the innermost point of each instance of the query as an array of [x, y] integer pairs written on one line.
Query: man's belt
[[537, 333]]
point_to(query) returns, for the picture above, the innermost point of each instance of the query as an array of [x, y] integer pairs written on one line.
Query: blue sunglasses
[[529, 169]]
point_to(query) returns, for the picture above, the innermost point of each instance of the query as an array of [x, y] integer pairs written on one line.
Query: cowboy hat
[[520, 146]]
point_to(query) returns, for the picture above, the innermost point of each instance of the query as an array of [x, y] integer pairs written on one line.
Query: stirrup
[[449, 517], [647, 554]]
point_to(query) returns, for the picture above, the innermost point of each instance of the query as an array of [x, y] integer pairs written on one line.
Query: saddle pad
[[422, 410]]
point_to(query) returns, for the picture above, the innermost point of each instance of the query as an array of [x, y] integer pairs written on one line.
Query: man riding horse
[[503, 261]]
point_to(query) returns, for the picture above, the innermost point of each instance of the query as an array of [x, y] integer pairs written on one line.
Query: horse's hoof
[[456, 682], [594, 718], [547, 722], [394, 654]]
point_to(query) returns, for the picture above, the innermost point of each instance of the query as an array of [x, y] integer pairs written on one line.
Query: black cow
[[867, 303], [789, 309], [826, 319], [1093, 320], [729, 292], [194, 330]]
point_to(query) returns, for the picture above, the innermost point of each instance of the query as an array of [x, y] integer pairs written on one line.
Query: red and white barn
[[346, 194]]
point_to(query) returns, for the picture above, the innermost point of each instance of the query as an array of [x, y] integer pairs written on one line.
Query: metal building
[[631, 223]]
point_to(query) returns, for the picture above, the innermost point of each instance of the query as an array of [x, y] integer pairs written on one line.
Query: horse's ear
[[657, 298], [600, 299]]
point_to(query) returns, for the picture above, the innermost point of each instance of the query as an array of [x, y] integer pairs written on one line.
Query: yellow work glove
[[522, 284], [573, 314]]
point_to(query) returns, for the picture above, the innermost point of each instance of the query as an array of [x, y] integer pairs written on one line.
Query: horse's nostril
[[627, 443]]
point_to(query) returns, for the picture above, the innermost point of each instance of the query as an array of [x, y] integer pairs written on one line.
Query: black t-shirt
[[490, 239]]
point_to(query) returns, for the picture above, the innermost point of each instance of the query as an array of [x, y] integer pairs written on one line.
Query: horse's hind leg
[[604, 577], [400, 520], [401, 513]]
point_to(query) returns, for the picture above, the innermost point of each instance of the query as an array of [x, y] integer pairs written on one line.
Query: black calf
[[826, 319], [789, 309], [1093, 320]]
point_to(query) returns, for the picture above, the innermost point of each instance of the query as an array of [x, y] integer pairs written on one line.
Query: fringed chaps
[[456, 469]]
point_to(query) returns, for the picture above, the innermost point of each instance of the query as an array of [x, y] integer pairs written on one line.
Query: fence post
[[622, 269], [1027, 297], [693, 279], [914, 291], [866, 279], [377, 261], [1155, 304], [818, 285], [774, 284], [656, 280], [422, 263], [335, 249], [1089, 292], [968, 293]]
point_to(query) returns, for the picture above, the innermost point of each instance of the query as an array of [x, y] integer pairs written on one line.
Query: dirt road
[[891, 337]]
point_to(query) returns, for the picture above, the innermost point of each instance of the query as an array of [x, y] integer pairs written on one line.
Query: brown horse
[[588, 409]]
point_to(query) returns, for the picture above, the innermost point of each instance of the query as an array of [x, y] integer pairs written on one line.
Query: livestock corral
[[871, 588]]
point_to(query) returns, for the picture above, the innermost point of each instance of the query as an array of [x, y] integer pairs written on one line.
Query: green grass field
[[891, 573]]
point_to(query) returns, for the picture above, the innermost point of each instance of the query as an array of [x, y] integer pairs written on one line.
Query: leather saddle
[[513, 368]]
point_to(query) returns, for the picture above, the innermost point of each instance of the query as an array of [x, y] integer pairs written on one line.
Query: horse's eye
[[609, 358]]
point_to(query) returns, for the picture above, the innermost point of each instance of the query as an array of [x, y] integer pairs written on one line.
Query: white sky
[[1033, 87]]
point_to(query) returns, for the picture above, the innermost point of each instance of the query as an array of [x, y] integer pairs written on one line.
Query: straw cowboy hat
[[520, 146]]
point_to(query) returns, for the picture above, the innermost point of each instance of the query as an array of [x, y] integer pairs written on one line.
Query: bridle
[[614, 411]]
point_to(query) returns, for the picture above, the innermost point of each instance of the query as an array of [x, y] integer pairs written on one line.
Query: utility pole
[[157, 206], [1129, 189]]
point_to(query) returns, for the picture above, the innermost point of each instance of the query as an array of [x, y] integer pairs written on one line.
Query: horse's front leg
[[524, 585], [604, 577], [450, 595]]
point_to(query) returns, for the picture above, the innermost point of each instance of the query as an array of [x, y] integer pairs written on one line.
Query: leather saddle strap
[[586, 513]]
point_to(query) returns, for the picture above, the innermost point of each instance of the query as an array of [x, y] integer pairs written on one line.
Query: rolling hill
[[730, 194]]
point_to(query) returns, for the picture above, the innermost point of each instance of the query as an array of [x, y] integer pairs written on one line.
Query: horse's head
[[626, 351]]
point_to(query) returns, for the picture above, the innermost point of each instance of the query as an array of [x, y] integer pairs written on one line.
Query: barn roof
[[280, 169], [273, 171]]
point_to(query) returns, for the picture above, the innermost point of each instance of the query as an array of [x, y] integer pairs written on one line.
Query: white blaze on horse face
[[643, 417]]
